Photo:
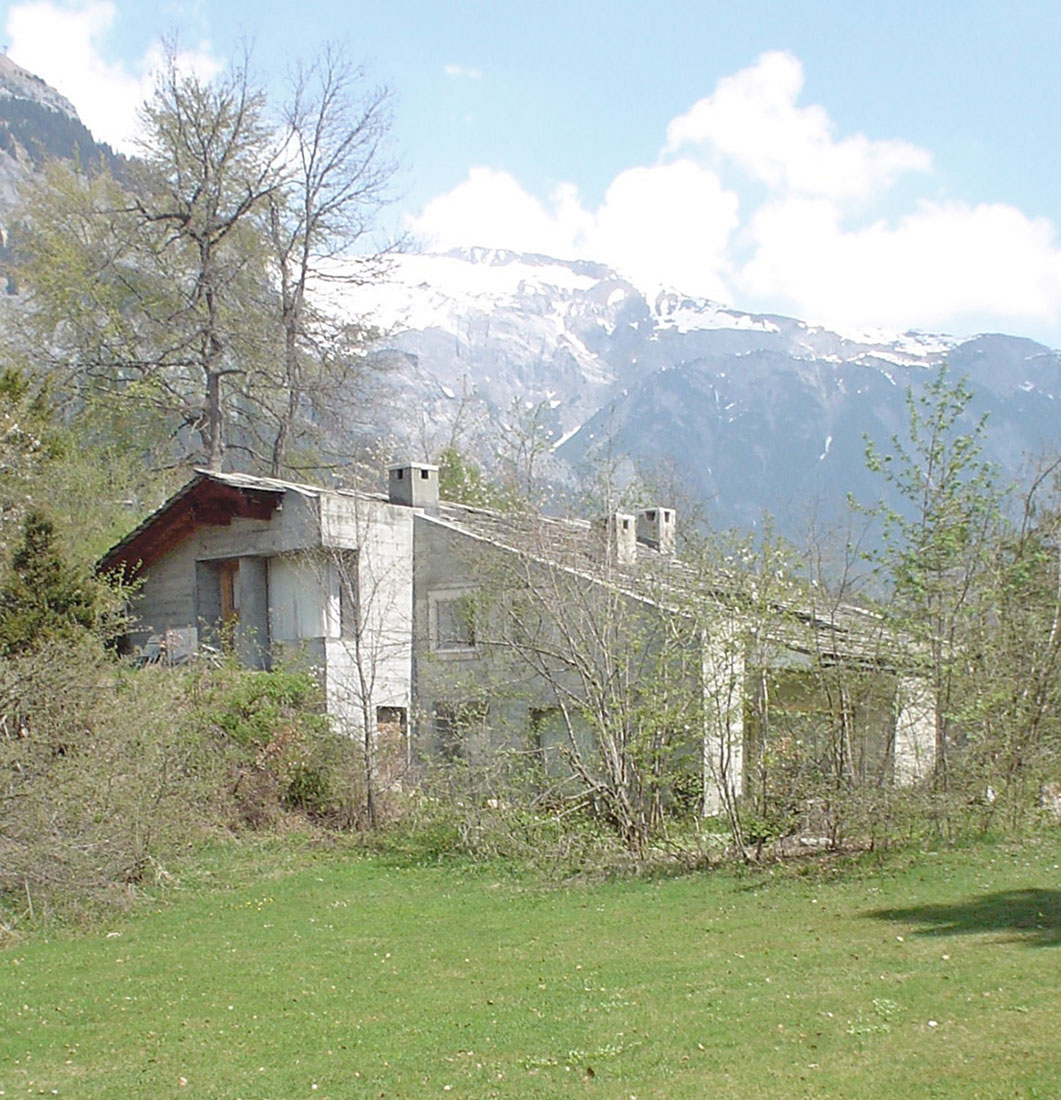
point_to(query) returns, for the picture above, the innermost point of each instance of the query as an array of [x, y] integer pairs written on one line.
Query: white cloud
[[63, 44], [753, 119], [666, 224], [491, 209], [813, 244], [458, 71], [939, 264]]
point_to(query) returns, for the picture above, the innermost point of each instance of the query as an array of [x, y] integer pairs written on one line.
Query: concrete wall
[[450, 565], [371, 667], [522, 707], [167, 599], [724, 691], [915, 731], [252, 635], [178, 597], [446, 561]]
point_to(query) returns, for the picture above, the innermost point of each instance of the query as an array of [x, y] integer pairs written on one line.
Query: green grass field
[[327, 974]]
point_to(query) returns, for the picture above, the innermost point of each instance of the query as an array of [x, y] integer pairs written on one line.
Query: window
[[548, 737], [556, 744], [456, 725], [803, 728], [392, 744], [346, 571], [452, 622], [298, 600]]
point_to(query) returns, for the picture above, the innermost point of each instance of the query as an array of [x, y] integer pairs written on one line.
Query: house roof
[[211, 499], [215, 498]]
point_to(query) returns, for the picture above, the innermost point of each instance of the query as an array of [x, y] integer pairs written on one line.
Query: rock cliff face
[[17, 83], [36, 122]]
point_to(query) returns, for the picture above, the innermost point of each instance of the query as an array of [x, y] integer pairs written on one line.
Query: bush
[[108, 772], [285, 754], [504, 810], [43, 598], [104, 775]]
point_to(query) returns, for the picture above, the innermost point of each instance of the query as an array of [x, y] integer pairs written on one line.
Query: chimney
[[618, 538], [414, 484], [657, 527]]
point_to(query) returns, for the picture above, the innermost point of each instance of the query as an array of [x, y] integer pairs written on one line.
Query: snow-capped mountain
[[744, 412]]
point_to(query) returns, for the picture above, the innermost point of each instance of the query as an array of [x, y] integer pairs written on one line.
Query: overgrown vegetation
[[109, 773]]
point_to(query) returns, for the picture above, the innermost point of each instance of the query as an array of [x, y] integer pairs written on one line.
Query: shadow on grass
[[1032, 917]]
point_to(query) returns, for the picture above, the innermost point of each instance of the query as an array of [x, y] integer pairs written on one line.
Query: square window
[[452, 622]]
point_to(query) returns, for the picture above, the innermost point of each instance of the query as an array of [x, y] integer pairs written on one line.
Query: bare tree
[[337, 177], [209, 163], [195, 284], [612, 669]]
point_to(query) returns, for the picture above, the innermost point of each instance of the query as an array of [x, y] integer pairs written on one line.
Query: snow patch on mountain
[[673, 311]]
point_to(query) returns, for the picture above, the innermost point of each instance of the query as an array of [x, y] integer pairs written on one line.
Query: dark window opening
[[349, 611], [454, 623], [392, 743]]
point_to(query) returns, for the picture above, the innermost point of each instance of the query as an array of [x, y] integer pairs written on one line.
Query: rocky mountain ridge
[[18, 83], [36, 123], [744, 412]]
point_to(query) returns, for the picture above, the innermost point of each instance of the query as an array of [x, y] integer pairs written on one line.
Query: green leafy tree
[[939, 543], [146, 288], [25, 445], [187, 286], [43, 597], [1015, 656], [461, 480]]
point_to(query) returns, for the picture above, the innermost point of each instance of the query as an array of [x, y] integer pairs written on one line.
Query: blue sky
[[857, 164]]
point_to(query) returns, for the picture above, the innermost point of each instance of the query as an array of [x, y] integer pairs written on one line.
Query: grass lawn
[[339, 976]]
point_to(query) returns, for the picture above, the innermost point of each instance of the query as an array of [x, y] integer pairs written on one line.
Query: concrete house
[[381, 595]]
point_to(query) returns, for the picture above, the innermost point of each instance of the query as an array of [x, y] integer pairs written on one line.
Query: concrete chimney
[[618, 538], [414, 484], [657, 527]]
